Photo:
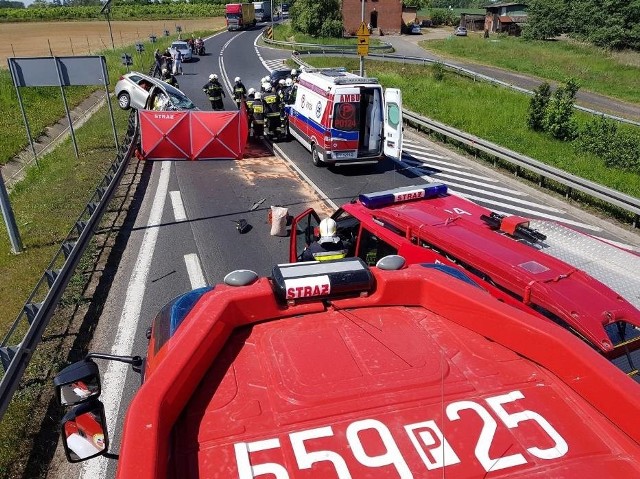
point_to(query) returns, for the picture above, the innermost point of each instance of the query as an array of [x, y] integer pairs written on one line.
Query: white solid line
[[194, 270], [178, 206], [114, 378]]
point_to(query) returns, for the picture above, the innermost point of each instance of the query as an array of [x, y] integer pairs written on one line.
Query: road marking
[[114, 378], [194, 270], [305, 177], [223, 71], [178, 206]]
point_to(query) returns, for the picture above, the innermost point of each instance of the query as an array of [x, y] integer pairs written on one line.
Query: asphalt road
[[184, 235]]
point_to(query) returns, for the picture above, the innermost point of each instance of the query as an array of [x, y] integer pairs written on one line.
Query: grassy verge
[[46, 203], [595, 69], [284, 33], [44, 106], [490, 112]]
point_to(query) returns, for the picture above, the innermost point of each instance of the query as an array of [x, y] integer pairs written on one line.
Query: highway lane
[[189, 211]]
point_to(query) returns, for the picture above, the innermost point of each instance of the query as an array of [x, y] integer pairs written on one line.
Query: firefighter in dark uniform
[[258, 115], [168, 77], [249, 104], [328, 247], [271, 109], [214, 92], [239, 91]]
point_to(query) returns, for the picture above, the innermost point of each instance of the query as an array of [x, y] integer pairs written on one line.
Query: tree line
[[612, 24]]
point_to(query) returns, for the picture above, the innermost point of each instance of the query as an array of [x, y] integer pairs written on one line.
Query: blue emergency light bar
[[400, 195]]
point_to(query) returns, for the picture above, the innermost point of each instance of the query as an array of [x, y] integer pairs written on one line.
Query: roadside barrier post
[[9, 219]]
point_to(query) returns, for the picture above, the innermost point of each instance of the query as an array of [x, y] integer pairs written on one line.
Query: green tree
[[545, 19], [419, 4], [318, 19], [537, 107], [558, 118]]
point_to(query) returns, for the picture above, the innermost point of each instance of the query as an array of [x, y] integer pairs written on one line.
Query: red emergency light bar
[[399, 195]]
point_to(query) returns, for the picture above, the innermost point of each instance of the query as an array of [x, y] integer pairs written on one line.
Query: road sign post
[[363, 44]]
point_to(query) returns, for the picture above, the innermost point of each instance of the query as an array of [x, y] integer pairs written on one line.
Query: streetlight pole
[[362, 56]]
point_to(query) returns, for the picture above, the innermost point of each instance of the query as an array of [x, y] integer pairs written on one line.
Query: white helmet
[[281, 81], [294, 72], [237, 79], [213, 76], [165, 71], [258, 95], [328, 230], [266, 86], [265, 79], [251, 91], [288, 82]]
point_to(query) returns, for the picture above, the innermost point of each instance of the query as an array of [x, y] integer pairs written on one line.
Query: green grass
[[595, 69], [46, 204], [44, 106], [490, 112], [284, 33]]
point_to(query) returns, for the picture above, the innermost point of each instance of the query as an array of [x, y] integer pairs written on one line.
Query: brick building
[[384, 16]]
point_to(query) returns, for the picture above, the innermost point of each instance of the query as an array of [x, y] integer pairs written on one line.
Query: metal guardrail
[[318, 48], [15, 353], [603, 193], [469, 73], [608, 195]]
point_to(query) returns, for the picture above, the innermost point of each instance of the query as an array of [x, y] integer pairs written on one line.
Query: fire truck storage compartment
[[370, 121]]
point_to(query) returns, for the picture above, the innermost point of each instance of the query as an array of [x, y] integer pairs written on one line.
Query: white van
[[343, 118]]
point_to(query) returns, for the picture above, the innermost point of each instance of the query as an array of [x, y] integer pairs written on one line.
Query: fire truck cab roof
[[341, 370]]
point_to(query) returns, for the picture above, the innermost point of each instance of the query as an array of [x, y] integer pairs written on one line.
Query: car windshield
[[181, 102], [180, 46]]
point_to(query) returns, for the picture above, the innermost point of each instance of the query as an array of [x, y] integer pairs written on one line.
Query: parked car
[[184, 48], [278, 75], [461, 32], [415, 29], [140, 91]]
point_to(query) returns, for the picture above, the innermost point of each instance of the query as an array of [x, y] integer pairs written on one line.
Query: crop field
[[88, 37]]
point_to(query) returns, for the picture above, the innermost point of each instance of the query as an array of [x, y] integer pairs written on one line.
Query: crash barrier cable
[[571, 182], [15, 354], [458, 69]]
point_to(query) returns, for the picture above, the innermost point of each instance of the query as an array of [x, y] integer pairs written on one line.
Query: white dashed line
[[178, 206], [194, 270]]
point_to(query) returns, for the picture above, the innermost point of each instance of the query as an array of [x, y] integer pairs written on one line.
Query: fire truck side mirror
[[77, 383], [84, 432]]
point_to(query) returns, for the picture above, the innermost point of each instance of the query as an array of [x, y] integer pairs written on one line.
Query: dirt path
[[89, 37]]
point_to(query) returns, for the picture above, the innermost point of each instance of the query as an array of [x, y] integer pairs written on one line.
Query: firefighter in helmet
[[249, 104], [271, 109], [328, 247], [239, 91], [214, 92], [168, 77], [258, 115]]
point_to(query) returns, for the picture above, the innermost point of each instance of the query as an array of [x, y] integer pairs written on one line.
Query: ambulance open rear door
[[393, 123]]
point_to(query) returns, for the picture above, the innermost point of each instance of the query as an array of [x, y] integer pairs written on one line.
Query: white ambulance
[[343, 118]]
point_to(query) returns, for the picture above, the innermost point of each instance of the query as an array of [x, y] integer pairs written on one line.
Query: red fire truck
[[582, 283], [341, 370]]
